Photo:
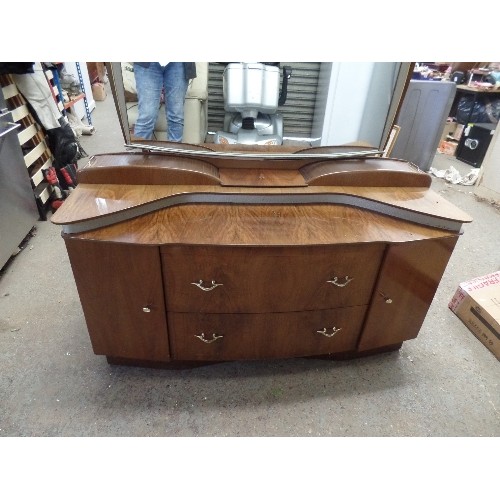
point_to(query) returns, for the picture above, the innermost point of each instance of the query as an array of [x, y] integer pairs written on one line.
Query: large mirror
[[286, 103]]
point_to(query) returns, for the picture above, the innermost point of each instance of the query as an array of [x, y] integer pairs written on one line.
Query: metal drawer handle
[[209, 341], [146, 309], [334, 281], [199, 284], [334, 331]]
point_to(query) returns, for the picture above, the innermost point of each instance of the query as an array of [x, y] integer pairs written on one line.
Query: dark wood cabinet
[[203, 272], [257, 280], [121, 292], [269, 335]]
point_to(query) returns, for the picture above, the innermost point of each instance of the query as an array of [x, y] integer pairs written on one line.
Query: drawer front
[[259, 280], [205, 336]]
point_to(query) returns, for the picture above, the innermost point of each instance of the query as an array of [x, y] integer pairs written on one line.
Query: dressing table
[[204, 253]]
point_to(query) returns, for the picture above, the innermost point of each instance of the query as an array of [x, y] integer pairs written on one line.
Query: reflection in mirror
[[195, 105], [291, 103]]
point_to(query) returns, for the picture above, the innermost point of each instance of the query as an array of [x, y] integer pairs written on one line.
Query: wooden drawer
[[256, 336], [273, 279]]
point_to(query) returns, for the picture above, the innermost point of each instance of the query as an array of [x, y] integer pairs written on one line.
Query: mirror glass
[[285, 103]]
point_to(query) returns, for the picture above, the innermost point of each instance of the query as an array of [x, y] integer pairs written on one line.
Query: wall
[[353, 101], [488, 183]]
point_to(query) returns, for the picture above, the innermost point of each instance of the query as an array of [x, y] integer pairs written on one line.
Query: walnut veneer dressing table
[[210, 254]]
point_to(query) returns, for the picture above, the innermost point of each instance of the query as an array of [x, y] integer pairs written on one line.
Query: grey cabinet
[[422, 118], [18, 209]]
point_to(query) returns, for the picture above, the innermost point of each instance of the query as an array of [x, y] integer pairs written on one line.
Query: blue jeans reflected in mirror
[[149, 83]]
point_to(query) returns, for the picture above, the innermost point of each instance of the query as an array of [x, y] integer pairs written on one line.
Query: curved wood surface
[[91, 206], [296, 278], [369, 172], [162, 169], [261, 336], [129, 168], [144, 230], [117, 187], [261, 225]]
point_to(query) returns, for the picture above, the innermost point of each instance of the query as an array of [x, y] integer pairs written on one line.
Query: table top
[[479, 90], [118, 187]]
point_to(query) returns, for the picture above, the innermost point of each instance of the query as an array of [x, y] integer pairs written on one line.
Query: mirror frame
[[118, 91], [400, 87]]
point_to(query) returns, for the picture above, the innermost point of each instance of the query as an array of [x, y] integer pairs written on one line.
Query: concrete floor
[[443, 383]]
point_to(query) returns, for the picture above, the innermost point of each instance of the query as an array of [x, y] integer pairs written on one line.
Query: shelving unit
[[36, 152], [18, 209], [34, 144], [461, 122], [55, 85], [73, 101], [82, 87]]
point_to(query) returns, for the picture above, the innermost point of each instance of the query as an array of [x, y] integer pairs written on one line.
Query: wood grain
[[261, 177], [409, 278], [261, 336], [89, 201], [369, 172], [115, 282], [133, 168], [256, 225], [257, 280], [144, 230]]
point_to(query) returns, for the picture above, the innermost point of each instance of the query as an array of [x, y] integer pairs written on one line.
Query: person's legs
[[149, 82], [176, 85], [36, 90]]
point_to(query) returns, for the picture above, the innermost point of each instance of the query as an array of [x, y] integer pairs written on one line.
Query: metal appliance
[[422, 117], [251, 99], [18, 210]]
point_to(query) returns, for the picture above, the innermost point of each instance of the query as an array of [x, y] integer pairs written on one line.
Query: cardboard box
[[448, 148], [448, 130], [97, 72], [477, 303], [459, 130], [98, 91]]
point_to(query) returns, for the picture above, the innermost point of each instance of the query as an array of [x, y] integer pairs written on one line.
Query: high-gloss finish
[[260, 336], [156, 168], [261, 177], [108, 184], [146, 169], [261, 225], [269, 279], [365, 173], [258, 264], [404, 290], [116, 283]]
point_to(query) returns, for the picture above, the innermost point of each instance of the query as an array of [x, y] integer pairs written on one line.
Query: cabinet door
[[267, 279], [257, 336], [408, 281], [121, 293]]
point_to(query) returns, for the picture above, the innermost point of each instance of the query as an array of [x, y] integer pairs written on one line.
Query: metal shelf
[[82, 86], [74, 100]]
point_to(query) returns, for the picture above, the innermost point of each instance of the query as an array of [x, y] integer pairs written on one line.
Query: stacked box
[[477, 303]]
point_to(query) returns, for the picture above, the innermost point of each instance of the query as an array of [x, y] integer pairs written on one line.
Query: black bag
[[64, 146]]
